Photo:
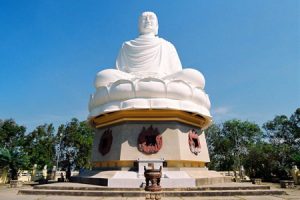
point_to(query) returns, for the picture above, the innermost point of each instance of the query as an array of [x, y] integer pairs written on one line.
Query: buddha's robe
[[149, 57]]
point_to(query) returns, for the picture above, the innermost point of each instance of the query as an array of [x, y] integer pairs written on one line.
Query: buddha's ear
[[156, 30]]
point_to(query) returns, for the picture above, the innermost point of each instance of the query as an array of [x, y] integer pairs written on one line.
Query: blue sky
[[50, 51]]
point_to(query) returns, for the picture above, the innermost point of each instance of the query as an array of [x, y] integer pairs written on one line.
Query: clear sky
[[50, 51]]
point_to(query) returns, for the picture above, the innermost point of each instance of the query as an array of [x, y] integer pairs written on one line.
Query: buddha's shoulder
[[147, 41], [167, 43]]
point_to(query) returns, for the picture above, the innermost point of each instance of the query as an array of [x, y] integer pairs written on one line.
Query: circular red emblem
[[149, 140], [105, 142], [194, 142]]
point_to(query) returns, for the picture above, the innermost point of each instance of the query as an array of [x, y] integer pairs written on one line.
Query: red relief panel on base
[[149, 140], [194, 142], [105, 142]]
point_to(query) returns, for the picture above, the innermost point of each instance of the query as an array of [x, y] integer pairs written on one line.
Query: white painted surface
[[175, 179], [174, 137], [157, 163], [149, 75], [171, 179]]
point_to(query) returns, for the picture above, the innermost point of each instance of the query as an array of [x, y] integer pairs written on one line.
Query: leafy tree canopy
[[40, 145], [76, 144], [228, 143], [11, 134]]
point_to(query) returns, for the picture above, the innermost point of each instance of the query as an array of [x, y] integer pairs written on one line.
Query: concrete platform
[[175, 178], [79, 186], [229, 189]]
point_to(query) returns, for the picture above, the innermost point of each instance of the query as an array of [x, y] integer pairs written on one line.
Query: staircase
[[225, 189]]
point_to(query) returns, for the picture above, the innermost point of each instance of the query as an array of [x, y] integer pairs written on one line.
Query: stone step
[[101, 188], [82, 193], [143, 193], [223, 193]]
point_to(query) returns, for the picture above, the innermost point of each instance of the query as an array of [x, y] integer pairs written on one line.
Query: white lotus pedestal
[[126, 141]]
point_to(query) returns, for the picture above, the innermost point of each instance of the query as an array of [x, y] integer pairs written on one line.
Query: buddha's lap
[[109, 76]]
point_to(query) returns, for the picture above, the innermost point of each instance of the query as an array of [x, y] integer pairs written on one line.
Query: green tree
[[295, 126], [12, 155], [229, 143], [261, 160], [40, 145], [283, 134], [11, 134], [219, 148], [76, 144], [12, 161]]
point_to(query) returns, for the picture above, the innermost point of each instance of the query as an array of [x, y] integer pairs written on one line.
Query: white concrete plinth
[[175, 143], [148, 163], [173, 179], [126, 179], [180, 178], [176, 179]]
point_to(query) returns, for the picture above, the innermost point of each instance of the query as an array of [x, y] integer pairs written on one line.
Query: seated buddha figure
[[149, 56]]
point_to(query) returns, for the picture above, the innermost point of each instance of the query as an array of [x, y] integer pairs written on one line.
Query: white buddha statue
[[149, 75], [148, 56]]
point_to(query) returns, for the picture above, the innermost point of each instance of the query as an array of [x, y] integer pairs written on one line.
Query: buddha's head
[[148, 23]]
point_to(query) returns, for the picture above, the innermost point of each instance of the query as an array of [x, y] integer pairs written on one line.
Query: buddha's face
[[148, 23]]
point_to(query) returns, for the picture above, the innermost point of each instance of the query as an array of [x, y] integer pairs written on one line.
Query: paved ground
[[7, 193]]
